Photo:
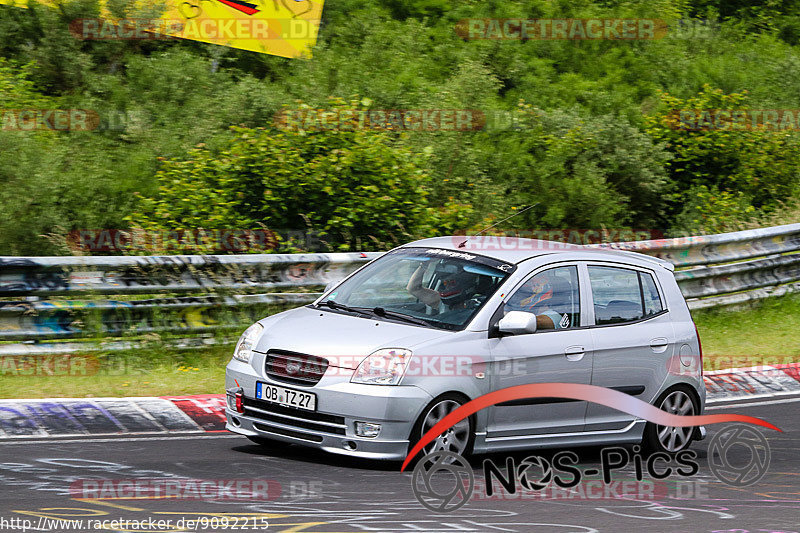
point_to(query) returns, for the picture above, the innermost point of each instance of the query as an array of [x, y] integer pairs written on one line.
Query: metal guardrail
[[66, 319], [722, 248], [60, 298], [712, 267], [51, 276]]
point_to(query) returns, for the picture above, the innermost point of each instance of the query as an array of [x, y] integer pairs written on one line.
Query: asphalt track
[[326, 493]]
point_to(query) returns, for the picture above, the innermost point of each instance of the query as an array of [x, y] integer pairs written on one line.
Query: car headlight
[[384, 367], [247, 342]]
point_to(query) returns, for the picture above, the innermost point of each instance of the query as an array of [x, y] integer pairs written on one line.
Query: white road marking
[[753, 404]]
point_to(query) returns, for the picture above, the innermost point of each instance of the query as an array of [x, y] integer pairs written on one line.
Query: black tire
[[452, 438], [658, 438]]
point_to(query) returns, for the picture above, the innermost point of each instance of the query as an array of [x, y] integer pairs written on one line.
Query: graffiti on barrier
[[140, 274]]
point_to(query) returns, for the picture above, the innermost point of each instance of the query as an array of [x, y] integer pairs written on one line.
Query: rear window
[[617, 295], [652, 300], [623, 295]]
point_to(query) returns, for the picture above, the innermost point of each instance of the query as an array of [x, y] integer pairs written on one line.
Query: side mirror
[[517, 323]]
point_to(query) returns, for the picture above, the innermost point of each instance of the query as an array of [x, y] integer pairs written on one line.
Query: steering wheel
[[475, 302]]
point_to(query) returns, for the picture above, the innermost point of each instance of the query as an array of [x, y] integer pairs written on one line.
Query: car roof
[[515, 250]]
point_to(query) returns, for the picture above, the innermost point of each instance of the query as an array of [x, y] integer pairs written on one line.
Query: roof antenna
[[497, 223]]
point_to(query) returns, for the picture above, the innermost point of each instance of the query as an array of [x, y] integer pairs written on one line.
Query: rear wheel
[[678, 401]]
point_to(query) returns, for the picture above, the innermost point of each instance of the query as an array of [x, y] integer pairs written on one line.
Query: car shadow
[[587, 455], [304, 454]]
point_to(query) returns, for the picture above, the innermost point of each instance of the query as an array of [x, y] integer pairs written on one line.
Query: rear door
[[632, 334]]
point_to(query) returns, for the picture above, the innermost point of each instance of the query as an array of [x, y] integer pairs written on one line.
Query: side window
[[554, 294], [617, 295], [652, 301]]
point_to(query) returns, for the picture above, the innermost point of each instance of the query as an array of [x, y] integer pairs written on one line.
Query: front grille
[[295, 368], [266, 412]]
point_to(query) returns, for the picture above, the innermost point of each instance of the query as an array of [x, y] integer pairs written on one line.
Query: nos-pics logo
[[444, 481]]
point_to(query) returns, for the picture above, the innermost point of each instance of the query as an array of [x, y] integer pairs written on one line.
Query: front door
[[559, 352]]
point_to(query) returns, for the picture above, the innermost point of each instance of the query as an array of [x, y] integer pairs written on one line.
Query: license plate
[[287, 397]]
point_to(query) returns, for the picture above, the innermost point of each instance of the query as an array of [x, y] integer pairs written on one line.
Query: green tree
[[358, 189], [583, 172], [719, 174]]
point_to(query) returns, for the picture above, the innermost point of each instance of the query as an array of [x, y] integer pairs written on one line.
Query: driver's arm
[[427, 296]]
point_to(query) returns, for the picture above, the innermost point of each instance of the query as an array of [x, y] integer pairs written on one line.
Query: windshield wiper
[[377, 311], [342, 307], [380, 311]]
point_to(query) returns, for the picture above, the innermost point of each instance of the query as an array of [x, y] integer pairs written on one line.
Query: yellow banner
[[286, 28]]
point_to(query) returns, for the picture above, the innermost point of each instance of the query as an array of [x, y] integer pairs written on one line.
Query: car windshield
[[424, 286]]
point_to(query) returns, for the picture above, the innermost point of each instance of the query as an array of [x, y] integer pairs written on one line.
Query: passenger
[[539, 301]]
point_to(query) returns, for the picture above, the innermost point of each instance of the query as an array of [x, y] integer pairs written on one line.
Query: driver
[[452, 294], [538, 301]]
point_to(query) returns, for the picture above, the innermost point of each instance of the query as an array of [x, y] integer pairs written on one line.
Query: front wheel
[[671, 439], [457, 439]]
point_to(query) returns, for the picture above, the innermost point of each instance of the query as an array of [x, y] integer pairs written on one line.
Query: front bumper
[[340, 404]]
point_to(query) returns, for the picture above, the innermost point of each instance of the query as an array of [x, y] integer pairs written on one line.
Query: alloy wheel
[[454, 439], [674, 439]]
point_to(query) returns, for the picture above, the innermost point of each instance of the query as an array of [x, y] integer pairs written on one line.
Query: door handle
[[575, 353], [659, 344]]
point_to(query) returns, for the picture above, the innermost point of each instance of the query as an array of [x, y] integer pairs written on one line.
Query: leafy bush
[[592, 157], [357, 189], [709, 210], [720, 175], [583, 172]]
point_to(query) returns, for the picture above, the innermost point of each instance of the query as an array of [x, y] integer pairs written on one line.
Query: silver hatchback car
[[388, 352]]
